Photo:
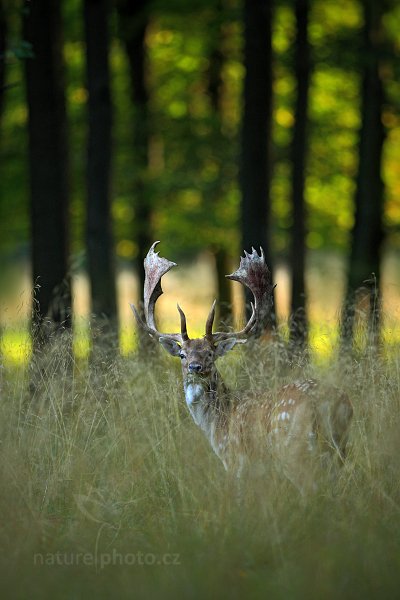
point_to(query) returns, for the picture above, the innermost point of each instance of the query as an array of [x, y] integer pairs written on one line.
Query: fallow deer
[[302, 419]]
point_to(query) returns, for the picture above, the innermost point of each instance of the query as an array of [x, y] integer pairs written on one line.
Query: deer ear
[[170, 346], [225, 346]]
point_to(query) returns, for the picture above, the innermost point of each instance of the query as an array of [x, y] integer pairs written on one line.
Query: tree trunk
[[223, 268], [256, 129], [298, 321], [99, 239], [3, 48], [133, 20], [367, 234], [47, 126], [215, 83], [133, 23]]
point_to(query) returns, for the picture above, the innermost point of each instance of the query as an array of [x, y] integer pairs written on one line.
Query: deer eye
[[182, 355]]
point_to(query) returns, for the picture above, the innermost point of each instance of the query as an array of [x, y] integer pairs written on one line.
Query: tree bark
[[223, 268], [302, 67], [99, 238], [133, 22], [215, 83], [256, 129], [367, 234], [3, 48], [47, 126]]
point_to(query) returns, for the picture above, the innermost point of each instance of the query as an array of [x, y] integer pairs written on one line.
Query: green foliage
[[194, 149]]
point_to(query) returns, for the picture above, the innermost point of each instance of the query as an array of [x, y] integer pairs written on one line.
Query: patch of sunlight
[[128, 340], [16, 346], [391, 340], [81, 339], [323, 340], [81, 345]]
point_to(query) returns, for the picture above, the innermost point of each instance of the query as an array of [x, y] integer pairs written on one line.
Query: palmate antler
[[155, 267], [252, 272]]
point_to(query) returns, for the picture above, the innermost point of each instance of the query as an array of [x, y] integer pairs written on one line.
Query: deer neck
[[207, 399]]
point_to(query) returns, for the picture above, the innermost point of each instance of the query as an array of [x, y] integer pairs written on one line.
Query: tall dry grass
[[105, 463]]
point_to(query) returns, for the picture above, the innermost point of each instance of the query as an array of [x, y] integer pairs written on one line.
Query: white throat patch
[[195, 400], [202, 412], [194, 392]]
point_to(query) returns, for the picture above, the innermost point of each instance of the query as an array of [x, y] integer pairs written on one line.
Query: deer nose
[[195, 367]]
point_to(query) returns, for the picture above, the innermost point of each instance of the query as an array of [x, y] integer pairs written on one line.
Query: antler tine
[[184, 333], [210, 320], [155, 267], [255, 275]]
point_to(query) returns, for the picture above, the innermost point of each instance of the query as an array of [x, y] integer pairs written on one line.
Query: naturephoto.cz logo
[[105, 559], [93, 507]]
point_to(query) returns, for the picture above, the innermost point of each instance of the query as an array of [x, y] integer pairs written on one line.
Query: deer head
[[199, 355]]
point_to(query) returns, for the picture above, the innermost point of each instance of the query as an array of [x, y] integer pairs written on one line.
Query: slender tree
[[256, 128], [133, 22], [367, 234], [215, 86], [47, 126], [99, 239], [302, 68], [3, 47]]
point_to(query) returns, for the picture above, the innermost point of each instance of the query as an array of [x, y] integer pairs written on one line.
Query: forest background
[[214, 127]]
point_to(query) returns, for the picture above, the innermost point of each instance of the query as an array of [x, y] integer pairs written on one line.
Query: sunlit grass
[[105, 461], [81, 338], [323, 339], [16, 343], [128, 341], [16, 346]]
